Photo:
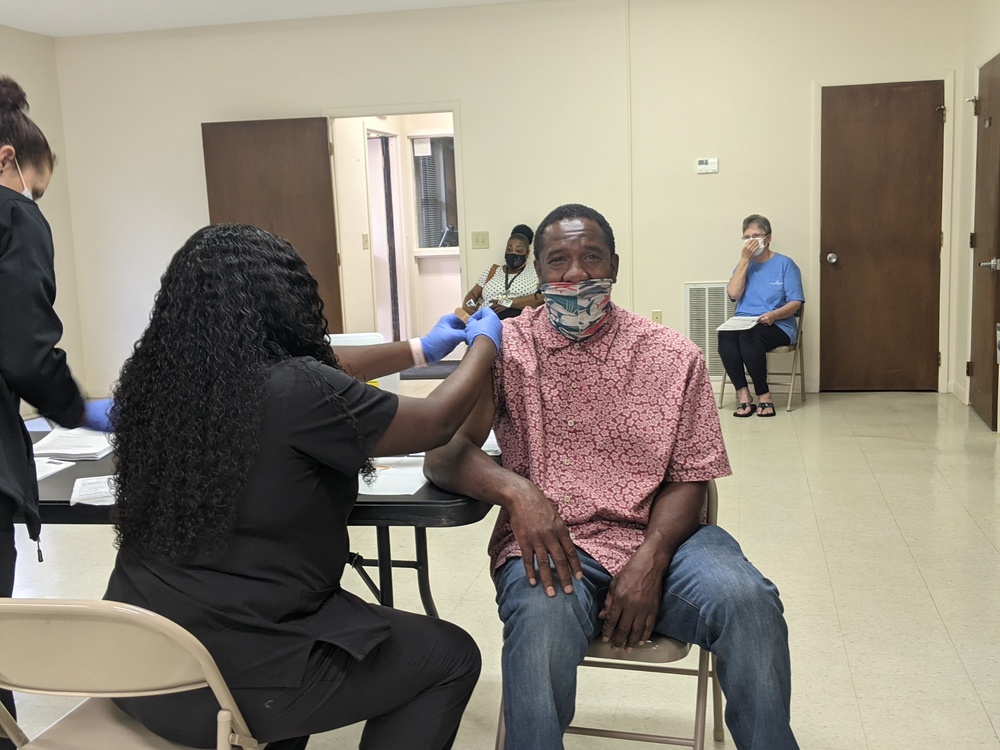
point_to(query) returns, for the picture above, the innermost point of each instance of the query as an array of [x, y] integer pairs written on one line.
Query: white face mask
[[761, 245], [26, 192]]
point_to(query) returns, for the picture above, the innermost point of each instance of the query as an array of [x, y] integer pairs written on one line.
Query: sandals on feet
[[766, 409], [745, 405]]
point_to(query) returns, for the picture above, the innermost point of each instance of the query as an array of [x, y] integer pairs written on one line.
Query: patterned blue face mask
[[577, 309]]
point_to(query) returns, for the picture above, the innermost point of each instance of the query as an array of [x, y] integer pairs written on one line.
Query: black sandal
[[745, 405], [766, 409]]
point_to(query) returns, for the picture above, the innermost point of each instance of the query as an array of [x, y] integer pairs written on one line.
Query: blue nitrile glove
[[484, 323], [96, 415], [446, 334]]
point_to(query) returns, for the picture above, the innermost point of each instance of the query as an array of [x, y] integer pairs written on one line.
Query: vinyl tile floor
[[876, 514]]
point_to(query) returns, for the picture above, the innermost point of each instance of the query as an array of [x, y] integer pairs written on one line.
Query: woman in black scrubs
[[239, 439], [32, 367]]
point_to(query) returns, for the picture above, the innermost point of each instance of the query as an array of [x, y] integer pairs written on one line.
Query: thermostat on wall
[[708, 166]]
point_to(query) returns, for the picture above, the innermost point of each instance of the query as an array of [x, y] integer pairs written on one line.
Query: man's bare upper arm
[[477, 426]]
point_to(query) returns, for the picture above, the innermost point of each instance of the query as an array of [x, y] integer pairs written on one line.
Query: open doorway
[[398, 221]]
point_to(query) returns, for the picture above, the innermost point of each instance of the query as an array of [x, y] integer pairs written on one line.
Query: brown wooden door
[[276, 175], [880, 203], [985, 286]]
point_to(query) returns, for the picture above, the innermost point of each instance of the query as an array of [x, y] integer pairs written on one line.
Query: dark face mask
[[514, 261]]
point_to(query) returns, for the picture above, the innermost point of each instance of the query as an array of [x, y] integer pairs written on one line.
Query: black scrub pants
[[411, 690], [8, 558], [746, 351]]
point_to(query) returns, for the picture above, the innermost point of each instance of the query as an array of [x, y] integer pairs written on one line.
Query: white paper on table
[[80, 444], [491, 447], [92, 491], [46, 467], [395, 475], [739, 323], [38, 424]]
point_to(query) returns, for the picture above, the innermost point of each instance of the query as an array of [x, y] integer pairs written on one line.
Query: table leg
[[423, 574], [384, 565]]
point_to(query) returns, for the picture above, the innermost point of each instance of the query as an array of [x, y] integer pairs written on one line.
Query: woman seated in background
[[768, 286], [239, 439], [510, 288]]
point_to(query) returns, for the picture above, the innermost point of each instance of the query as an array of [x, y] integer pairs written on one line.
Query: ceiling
[[87, 17]]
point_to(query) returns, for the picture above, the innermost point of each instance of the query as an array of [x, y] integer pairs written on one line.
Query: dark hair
[[757, 220], [573, 211], [187, 407], [523, 230], [19, 130]]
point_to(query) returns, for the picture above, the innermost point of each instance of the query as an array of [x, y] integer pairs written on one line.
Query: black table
[[429, 507]]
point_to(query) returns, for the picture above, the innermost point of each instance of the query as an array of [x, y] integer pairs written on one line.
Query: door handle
[[831, 258], [993, 265]]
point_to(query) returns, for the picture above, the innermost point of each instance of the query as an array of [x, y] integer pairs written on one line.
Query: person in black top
[[32, 367], [239, 439]]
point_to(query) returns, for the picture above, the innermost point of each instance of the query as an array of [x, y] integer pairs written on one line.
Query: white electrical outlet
[[658, 316]]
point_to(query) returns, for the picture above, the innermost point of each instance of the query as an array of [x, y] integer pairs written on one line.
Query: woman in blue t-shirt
[[768, 286]]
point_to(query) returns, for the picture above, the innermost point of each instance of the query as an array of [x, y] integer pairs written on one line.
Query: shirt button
[[568, 499], [576, 346], [572, 536], [570, 422], [573, 386], [567, 461]]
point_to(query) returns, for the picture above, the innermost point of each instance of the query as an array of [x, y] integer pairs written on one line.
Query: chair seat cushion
[[99, 723]]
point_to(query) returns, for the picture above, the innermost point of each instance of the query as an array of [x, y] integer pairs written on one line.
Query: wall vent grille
[[706, 307]]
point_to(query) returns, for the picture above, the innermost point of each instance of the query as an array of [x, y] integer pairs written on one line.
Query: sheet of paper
[[46, 467], [92, 491], [73, 445], [491, 447], [395, 475], [38, 424], [739, 323]]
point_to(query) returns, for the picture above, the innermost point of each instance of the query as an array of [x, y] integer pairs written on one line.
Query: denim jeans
[[712, 597]]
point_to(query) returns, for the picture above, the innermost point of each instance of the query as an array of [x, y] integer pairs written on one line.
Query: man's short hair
[[572, 211], [757, 220]]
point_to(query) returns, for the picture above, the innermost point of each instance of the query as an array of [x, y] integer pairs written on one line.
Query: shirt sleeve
[[337, 418], [31, 364], [699, 453], [482, 277], [793, 282]]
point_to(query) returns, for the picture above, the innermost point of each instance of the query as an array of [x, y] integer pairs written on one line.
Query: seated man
[[609, 434]]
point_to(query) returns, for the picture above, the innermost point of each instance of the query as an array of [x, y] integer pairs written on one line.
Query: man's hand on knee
[[545, 541]]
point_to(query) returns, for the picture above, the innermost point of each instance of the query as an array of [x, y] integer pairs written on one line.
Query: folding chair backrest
[[103, 649]]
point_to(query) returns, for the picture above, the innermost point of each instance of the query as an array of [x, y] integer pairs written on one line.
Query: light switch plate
[[480, 240]]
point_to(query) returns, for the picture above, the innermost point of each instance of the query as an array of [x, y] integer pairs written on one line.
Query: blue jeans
[[712, 597]]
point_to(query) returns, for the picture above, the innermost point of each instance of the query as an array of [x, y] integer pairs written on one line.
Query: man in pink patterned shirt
[[609, 432]]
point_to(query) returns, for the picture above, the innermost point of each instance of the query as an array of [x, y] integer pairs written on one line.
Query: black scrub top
[[32, 367], [259, 606]]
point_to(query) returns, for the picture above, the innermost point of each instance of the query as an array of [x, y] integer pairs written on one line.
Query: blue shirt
[[770, 285]]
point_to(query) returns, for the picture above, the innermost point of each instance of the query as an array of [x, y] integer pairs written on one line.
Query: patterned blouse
[[600, 424], [522, 284]]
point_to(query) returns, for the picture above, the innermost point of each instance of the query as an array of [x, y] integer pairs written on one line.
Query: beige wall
[[31, 61], [606, 102]]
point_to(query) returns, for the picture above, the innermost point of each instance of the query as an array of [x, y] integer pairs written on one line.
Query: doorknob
[[993, 265], [831, 258]]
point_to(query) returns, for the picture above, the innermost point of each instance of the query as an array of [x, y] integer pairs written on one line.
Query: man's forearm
[[463, 468], [675, 516]]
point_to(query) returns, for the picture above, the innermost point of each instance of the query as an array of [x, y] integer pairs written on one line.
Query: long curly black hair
[[188, 405]]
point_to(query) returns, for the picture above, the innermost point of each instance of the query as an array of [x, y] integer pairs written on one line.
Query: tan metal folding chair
[[103, 650], [655, 656]]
